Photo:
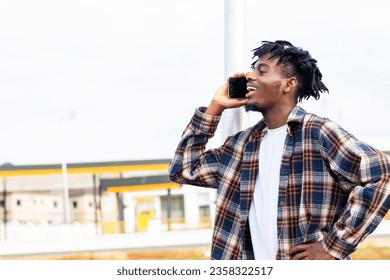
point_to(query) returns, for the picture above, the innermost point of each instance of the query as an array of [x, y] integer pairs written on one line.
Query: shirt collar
[[295, 117]]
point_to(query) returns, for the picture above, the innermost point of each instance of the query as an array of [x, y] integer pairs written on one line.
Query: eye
[[261, 70]]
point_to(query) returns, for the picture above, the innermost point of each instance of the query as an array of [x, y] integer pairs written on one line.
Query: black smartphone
[[237, 87]]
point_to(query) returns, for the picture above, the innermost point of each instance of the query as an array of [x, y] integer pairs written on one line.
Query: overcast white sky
[[99, 80]]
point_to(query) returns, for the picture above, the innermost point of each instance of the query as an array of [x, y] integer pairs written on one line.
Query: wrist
[[214, 109]]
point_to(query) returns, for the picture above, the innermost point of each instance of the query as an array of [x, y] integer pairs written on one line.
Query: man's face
[[264, 84]]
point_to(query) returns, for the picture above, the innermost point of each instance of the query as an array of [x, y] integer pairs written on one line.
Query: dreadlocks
[[296, 62]]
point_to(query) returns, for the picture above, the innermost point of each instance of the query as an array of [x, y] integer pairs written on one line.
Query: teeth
[[250, 88]]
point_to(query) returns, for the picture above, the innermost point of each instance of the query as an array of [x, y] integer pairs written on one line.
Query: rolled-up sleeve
[[364, 173], [191, 164]]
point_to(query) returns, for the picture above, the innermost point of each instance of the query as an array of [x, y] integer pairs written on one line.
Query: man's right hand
[[221, 100]]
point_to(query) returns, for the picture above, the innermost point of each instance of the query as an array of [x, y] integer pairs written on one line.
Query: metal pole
[[234, 120], [65, 189], [169, 209], [100, 206], [67, 218], [95, 202], [5, 206], [121, 217]]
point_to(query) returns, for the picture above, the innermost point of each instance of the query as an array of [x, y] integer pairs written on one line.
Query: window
[[2, 203], [74, 204], [204, 211], [18, 202], [55, 204], [177, 206]]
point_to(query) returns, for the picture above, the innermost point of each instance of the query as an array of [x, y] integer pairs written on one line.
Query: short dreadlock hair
[[296, 63]]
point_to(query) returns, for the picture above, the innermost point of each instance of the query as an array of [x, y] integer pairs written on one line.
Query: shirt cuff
[[337, 247], [206, 124]]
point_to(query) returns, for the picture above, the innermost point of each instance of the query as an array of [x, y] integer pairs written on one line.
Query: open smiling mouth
[[250, 88]]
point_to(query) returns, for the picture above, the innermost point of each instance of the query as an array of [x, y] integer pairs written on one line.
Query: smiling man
[[295, 185]]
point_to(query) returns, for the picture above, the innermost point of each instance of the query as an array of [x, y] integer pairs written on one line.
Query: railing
[[173, 220], [163, 224], [110, 227]]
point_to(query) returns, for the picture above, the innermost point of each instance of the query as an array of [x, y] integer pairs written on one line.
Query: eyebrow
[[261, 65]]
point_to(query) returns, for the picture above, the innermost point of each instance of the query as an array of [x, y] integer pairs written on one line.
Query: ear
[[291, 85]]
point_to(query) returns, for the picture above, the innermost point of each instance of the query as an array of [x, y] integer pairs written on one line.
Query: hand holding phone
[[237, 87], [229, 95]]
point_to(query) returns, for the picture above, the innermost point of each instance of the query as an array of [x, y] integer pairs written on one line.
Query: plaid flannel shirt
[[332, 187]]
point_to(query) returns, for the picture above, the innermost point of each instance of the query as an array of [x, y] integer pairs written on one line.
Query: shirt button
[[286, 177], [282, 203]]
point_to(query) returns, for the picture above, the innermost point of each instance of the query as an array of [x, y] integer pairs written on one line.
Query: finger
[[300, 256], [239, 74], [238, 102], [297, 249]]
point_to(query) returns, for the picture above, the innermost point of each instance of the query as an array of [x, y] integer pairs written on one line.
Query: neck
[[277, 118]]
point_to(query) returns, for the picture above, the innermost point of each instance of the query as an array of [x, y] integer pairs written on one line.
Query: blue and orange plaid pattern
[[332, 187]]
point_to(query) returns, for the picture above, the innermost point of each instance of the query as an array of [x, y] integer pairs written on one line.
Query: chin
[[253, 107]]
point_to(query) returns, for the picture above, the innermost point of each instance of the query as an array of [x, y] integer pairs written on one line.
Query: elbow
[[174, 172], [173, 177]]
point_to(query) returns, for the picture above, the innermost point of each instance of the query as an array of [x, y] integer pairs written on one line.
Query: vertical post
[[100, 206], [169, 209], [65, 193], [95, 203], [234, 120], [5, 206], [121, 216]]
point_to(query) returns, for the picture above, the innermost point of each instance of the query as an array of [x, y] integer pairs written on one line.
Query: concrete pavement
[[136, 242], [130, 241]]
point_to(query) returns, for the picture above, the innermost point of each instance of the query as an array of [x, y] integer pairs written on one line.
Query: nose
[[249, 75]]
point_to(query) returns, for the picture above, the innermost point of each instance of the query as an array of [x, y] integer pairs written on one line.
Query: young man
[[295, 185]]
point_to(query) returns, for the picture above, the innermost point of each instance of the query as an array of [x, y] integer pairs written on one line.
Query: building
[[73, 194]]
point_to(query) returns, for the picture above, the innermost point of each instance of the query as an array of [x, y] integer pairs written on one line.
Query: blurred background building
[[98, 198]]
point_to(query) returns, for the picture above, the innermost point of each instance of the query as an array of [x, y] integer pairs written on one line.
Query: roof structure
[[137, 184], [88, 167]]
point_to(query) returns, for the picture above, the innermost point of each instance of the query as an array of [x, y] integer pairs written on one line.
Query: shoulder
[[315, 121], [310, 125], [323, 130], [323, 125], [242, 137], [308, 121]]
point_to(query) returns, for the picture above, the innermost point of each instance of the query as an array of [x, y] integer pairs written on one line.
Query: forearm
[[367, 205], [214, 109], [191, 163]]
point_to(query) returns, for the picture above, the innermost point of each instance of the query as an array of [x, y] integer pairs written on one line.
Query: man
[[295, 185]]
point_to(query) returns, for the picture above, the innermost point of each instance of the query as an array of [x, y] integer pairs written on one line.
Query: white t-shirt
[[263, 211]]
